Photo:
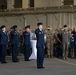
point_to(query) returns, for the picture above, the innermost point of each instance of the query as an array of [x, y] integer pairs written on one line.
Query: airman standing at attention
[[3, 44], [40, 45], [15, 43], [26, 36]]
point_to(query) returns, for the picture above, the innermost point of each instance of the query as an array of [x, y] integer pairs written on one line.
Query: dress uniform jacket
[[3, 45], [15, 37], [40, 38], [26, 36], [3, 38]]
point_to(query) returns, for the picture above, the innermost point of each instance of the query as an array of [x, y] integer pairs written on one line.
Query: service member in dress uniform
[[3, 44], [40, 45], [26, 36], [14, 43], [74, 35], [0, 48]]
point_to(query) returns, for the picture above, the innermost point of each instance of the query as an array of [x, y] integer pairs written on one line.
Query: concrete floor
[[53, 66]]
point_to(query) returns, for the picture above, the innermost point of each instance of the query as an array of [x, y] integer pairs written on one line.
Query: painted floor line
[[66, 62]]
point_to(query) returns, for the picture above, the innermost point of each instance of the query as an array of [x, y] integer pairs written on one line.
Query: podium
[[34, 50]]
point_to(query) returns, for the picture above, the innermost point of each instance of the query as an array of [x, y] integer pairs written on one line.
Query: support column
[[52, 20], [72, 20], [10, 4], [74, 2], [47, 20], [60, 21], [25, 21], [25, 3], [61, 2], [64, 18]]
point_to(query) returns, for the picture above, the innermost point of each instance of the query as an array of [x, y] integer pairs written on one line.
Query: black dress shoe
[[42, 67], [27, 60], [16, 61], [3, 62], [38, 67]]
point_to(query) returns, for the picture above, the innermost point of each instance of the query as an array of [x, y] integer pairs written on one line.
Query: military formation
[[60, 43], [13, 41]]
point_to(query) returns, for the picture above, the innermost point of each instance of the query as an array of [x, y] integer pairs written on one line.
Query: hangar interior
[[54, 13]]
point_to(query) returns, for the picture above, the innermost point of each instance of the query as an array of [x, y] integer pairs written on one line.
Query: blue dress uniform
[[3, 45], [26, 36], [74, 35], [15, 44], [40, 47], [0, 47]]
